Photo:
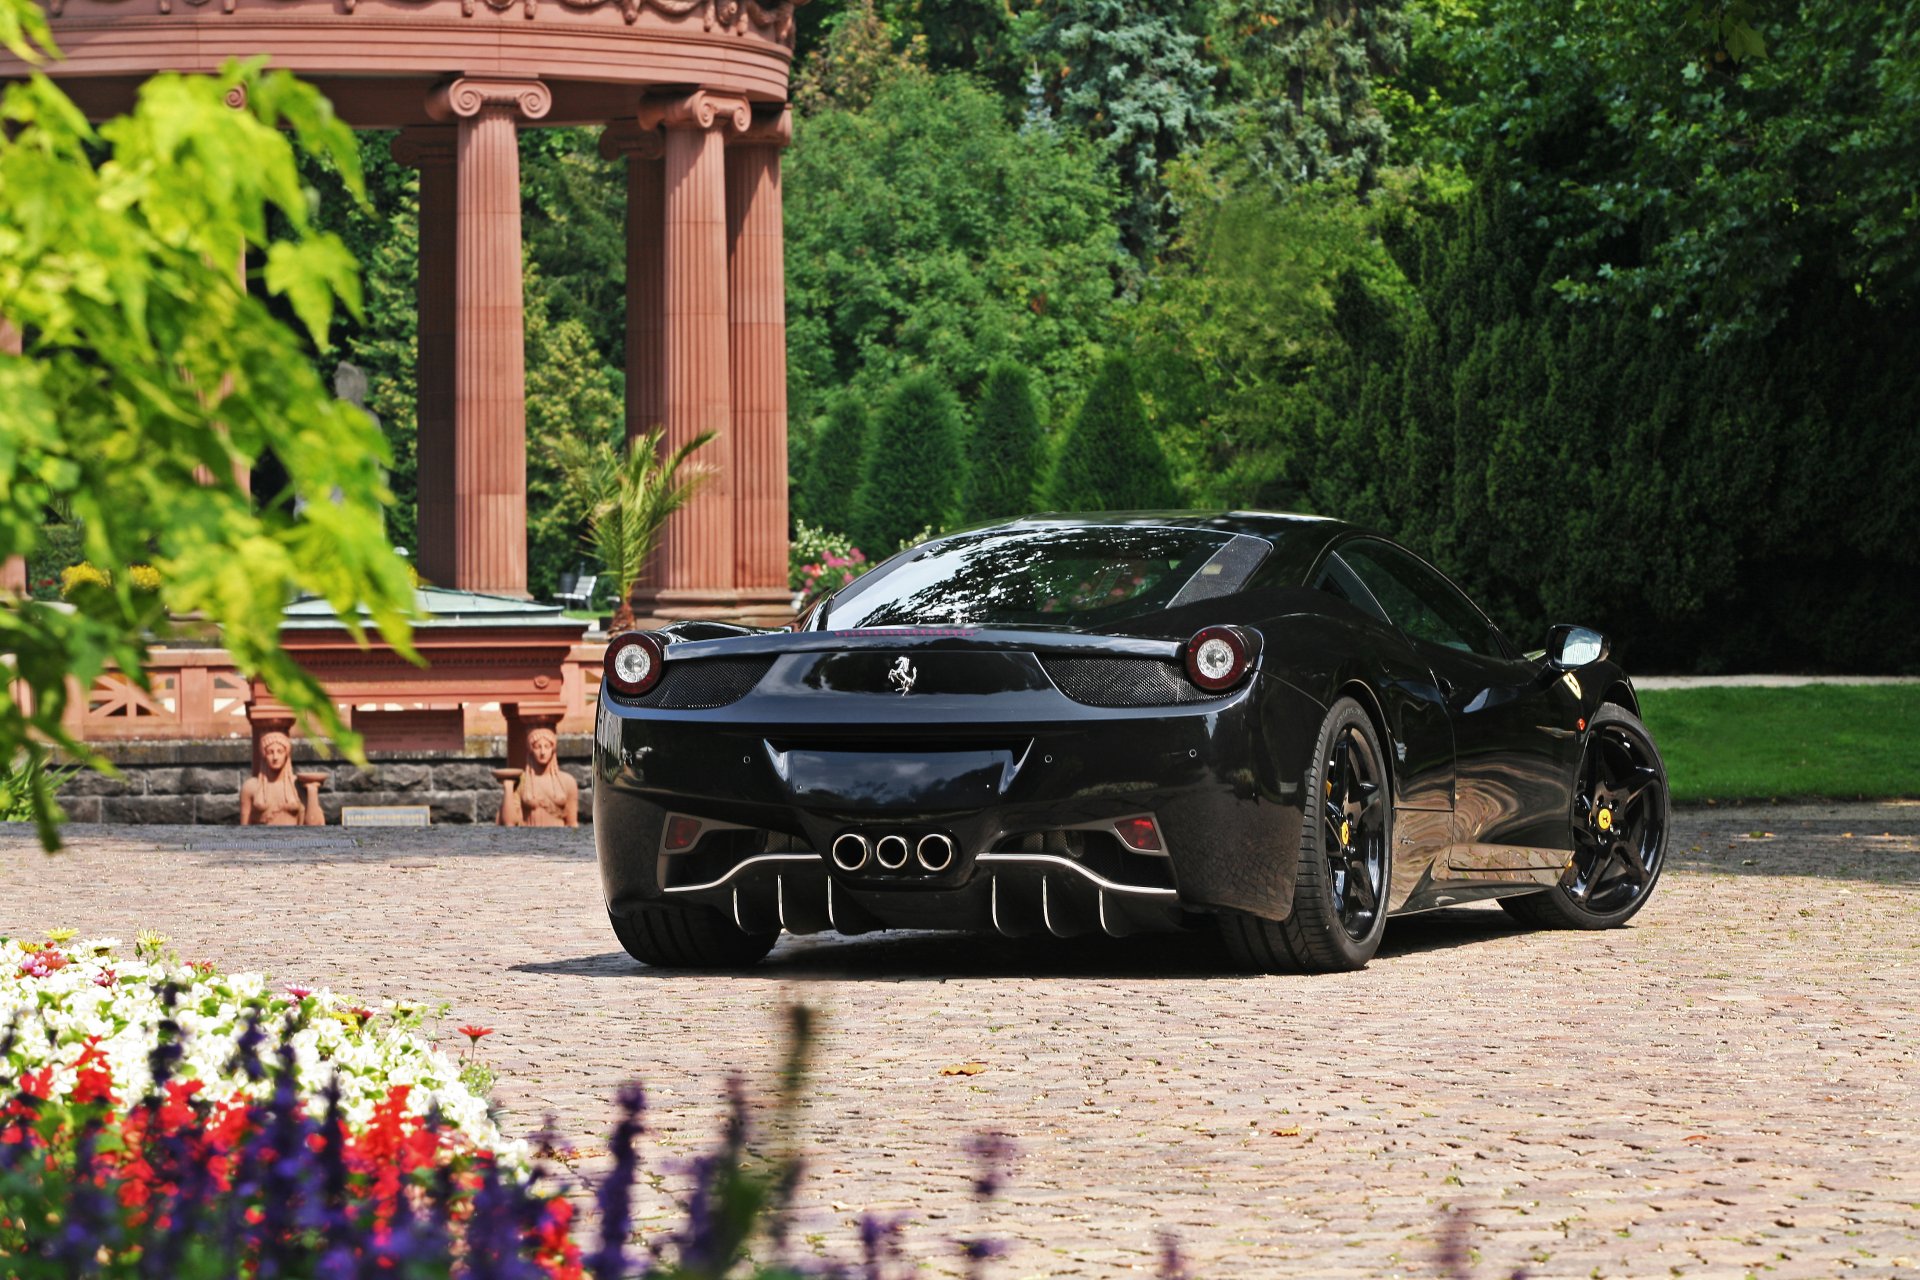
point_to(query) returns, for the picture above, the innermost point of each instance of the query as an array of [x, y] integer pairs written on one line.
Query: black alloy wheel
[[1345, 861], [1619, 823]]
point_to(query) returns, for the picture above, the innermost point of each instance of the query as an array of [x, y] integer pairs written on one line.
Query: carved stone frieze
[[773, 20]]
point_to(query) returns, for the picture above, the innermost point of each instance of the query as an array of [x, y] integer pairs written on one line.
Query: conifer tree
[[1110, 460], [913, 466], [834, 465], [1003, 452]]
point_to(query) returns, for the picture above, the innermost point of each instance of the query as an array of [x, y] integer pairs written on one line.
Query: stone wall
[[199, 782]]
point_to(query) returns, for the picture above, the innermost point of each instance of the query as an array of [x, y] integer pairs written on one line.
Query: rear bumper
[[1221, 779]]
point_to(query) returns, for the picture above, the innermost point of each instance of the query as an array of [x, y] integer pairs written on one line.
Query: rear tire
[[1617, 860], [1345, 861], [667, 936]]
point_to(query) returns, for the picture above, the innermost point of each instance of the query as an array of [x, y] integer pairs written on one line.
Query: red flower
[[105, 978], [299, 993], [176, 1112], [92, 1081], [473, 1033]]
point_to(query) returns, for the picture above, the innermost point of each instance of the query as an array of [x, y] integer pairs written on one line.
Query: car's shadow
[[914, 956]]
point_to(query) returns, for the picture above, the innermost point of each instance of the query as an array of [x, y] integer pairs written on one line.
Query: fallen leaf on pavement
[[964, 1069]]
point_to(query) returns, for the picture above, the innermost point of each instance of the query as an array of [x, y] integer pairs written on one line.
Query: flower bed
[[159, 1118], [78, 999]]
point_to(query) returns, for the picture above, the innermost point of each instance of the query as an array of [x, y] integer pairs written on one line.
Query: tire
[[1340, 886], [675, 937], [1608, 880]]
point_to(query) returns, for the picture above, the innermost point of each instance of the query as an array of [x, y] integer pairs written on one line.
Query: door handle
[[1445, 686]]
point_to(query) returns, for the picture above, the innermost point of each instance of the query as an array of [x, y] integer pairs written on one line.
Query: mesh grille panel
[[690, 685], [1124, 682]]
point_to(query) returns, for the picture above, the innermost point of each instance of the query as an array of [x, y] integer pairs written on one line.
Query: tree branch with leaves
[[150, 378]]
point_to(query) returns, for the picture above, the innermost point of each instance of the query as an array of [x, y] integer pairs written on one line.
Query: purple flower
[[994, 1154], [1172, 1265], [609, 1262]]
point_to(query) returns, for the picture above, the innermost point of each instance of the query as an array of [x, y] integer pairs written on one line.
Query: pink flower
[[299, 993], [105, 978], [43, 964]]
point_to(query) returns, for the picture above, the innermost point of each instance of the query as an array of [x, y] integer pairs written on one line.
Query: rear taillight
[[1218, 658], [633, 663]]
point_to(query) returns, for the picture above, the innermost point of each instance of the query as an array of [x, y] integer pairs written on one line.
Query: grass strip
[[1827, 741]]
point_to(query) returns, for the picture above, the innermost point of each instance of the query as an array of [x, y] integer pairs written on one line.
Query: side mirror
[[1570, 647]]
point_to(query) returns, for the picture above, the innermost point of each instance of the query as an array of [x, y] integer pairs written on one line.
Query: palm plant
[[625, 500]]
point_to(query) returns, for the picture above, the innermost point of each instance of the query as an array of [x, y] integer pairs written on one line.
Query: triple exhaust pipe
[[851, 850]]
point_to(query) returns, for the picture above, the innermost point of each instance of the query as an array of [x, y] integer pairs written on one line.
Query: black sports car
[[1120, 723]]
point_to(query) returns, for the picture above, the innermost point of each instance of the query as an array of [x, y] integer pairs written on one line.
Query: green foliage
[[573, 403], [985, 37], [855, 60], [25, 779], [1109, 459], [1134, 77], [382, 231], [835, 464], [1576, 466], [625, 498], [1237, 327], [1710, 164], [1303, 77], [913, 466], [928, 232], [60, 546], [1004, 451], [117, 252], [574, 219]]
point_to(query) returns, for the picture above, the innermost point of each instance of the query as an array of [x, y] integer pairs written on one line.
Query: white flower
[[118, 1005]]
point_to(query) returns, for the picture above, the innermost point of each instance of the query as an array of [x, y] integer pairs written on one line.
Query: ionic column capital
[[769, 129], [628, 138], [697, 110], [467, 97], [418, 148]]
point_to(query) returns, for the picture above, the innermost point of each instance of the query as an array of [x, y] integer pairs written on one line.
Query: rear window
[[1071, 577]]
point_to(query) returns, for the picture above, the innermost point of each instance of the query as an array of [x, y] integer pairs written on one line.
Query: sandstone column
[[645, 150], [757, 304], [696, 559], [489, 356], [431, 151], [13, 571]]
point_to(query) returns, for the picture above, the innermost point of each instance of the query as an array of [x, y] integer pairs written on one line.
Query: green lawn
[[1840, 741]]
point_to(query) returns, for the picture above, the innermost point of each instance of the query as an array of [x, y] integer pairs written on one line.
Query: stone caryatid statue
[[275, 796], [542, 794]]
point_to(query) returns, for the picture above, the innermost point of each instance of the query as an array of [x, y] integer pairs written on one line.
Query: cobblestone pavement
[[1728, 1087]]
